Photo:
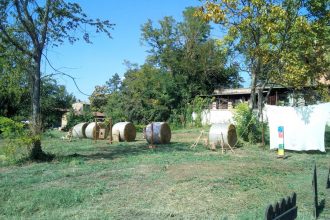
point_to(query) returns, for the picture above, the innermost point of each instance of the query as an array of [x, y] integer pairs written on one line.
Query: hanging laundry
[[304, 127]]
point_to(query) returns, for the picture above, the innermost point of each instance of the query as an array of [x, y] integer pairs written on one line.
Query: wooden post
[[110, 131], [280, 150], [276, 98], [95, 131], [328, 180], [262, 129], [316, 203], [152, 136]]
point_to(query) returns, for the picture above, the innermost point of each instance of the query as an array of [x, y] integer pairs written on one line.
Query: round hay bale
[[92, 131], [161, 133], [223, 133], [78, 131], [127, 131]]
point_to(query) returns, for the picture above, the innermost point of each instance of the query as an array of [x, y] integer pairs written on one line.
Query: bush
[[197, 106], [16, 138], [10, 128], [247, 125], [74, 119]]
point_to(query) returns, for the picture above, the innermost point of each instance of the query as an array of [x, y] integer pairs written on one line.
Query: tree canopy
[[183, 63], [283, 42], [31, 25]]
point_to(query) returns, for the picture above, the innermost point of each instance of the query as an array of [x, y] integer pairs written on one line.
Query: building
[[78, 109], [221, 110]]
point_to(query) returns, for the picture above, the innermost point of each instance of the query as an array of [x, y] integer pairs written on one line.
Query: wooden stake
[[152, 137], [95, 138], [110, 131], [198, 139]]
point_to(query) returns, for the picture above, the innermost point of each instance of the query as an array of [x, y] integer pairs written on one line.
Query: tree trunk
[[255, 73], [36, 152], [260, 101], [252, 101]]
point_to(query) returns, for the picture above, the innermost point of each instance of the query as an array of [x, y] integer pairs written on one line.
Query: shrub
[[74, 119], [10, 128], [16, 138], [247, 125], [198, 105]]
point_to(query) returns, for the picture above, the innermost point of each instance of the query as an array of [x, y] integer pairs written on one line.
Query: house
[[78, 109], [229, 98], [221, 110]]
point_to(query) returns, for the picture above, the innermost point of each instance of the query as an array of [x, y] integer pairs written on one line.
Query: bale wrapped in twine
[[225, 133], [161, 133], [78, 131], [126, 130], [92, 131]]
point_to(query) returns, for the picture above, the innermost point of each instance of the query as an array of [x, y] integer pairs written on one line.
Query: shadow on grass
[[124, 150], [320, 207]]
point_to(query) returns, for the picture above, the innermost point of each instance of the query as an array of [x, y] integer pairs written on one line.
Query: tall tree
[[31, 25], [185, 49], [276, 39], [114, 83], [54, 99]]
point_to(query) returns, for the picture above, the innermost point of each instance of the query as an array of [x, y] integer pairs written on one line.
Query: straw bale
[[127, 131], [161, 133], [79, 130], [223, 132], [92, 131]]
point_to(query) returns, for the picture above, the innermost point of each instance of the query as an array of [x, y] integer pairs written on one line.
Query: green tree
[[147, 94], [186, 51], [277, 41], [99, 97], [54, 99], [14, 84], [29, 26], [114, 83]]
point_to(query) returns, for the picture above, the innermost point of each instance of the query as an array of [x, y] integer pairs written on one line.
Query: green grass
[[90, 180]]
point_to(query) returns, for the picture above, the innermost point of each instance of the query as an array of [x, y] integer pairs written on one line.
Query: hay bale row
[[123, 131]]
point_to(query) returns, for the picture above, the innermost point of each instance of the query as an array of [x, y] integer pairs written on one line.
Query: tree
[[186, 51], [14, 89], [114, 84], [29, 26], [99, 97], [147, 94], [276, 40], [54, 99]]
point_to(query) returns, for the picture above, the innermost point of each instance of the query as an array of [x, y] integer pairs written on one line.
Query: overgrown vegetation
[[16, 140], [247, 124], [183, 62], [74, 118], [130, 181]]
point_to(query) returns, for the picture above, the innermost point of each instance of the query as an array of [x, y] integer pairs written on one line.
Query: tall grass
[[88, 180]]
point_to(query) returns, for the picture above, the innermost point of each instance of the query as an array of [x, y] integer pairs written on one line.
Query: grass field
[[130, 181]]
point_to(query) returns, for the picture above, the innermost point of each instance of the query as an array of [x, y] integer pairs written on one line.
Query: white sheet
[[304, 127]]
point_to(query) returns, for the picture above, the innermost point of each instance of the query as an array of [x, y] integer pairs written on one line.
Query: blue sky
[[93, 64]]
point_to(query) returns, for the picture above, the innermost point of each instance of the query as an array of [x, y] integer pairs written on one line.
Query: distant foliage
[[10, 128], [247, 124], [147, 94], [17, 139], [197, 106], [74, 119]]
